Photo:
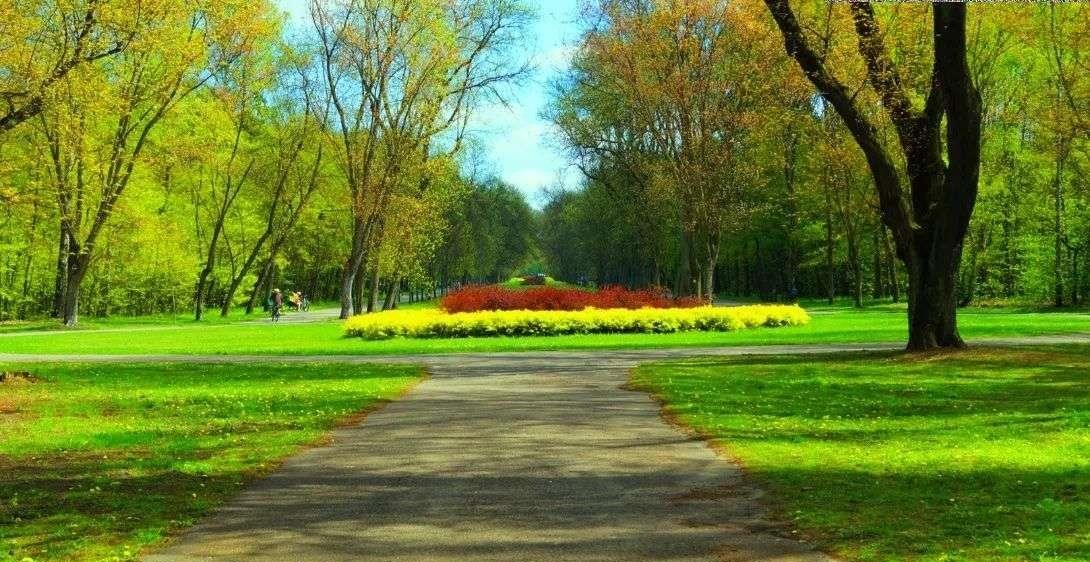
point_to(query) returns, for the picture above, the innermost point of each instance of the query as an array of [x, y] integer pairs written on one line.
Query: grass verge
[[982, 455], [99, 461]]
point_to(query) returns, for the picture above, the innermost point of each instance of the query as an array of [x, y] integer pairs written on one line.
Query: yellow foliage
[[439, 324]]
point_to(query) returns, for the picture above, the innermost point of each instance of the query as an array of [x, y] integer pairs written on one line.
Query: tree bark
[[891, 267], [830, 248], [1058, 231], [60, 279], [876, 263], [393, 293], [372, 296], [78, 263], [352, 266], [855, 263]]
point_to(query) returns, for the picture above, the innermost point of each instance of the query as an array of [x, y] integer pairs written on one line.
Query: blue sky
[[517, 144]]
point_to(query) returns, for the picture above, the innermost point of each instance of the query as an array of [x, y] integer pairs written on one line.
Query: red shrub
[[493, 297]]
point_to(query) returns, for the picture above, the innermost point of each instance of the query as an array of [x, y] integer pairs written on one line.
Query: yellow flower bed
[[439, 324]]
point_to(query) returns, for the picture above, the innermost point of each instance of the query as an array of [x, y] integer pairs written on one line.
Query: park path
[[535, 456], [501, 457]]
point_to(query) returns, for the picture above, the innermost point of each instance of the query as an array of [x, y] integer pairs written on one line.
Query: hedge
[[439, 324]]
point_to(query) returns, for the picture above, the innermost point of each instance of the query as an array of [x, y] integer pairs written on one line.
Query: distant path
[[289, 317], [503, 457], [311, 316], [635, 356]]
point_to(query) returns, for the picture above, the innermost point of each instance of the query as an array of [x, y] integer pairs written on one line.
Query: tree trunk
[[1058, 234], [61, 278], [855, 263], [259, 283], [709, 269], [199, 292], [891, 267], [830, 246], [932, 300], [876, 264], [352, 266], [1073, 255], [683, 284], [392, 294], [77, 271], [969, 282], [372, 298]]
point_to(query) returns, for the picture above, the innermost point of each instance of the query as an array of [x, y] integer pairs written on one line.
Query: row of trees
[[849, 162], [164, 155]]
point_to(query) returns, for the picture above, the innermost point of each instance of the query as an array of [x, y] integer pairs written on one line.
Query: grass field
[[829, 325], [982, 455], [97, 461]]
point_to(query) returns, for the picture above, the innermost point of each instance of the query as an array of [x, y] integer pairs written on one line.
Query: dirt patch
[[8, 406]]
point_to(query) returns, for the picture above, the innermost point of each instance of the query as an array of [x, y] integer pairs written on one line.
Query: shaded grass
[[829, 325], [982, 455], [97, 461]]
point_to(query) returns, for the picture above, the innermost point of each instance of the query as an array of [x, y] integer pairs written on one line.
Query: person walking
[[278, 303]]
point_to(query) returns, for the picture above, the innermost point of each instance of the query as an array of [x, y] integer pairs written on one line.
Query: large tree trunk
[[932, 300], [929, 225]]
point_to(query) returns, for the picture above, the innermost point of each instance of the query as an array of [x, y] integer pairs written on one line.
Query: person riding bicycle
[[278, 304]]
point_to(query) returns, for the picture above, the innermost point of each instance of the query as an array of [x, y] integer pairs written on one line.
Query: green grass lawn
[[982, 455], [829, 325], [97, 461]]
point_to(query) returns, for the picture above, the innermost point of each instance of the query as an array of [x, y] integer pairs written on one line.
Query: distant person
[[304, 301], [296, 301], [278, 303]]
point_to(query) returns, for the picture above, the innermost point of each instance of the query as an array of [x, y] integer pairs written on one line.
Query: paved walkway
[[513, 457]]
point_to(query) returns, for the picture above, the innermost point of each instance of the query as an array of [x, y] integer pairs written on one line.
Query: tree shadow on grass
[[946, 512], [967, 456]]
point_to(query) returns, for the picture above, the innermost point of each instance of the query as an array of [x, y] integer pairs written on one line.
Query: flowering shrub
[[492, 297], [439, 324]]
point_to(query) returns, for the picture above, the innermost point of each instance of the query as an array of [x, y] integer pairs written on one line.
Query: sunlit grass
[[885, 324], [982, 455], [97, 461]]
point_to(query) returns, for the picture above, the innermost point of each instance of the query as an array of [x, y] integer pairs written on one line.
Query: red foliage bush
[[492, 297]]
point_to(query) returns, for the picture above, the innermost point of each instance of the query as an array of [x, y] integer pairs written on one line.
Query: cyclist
[[278, 303]]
